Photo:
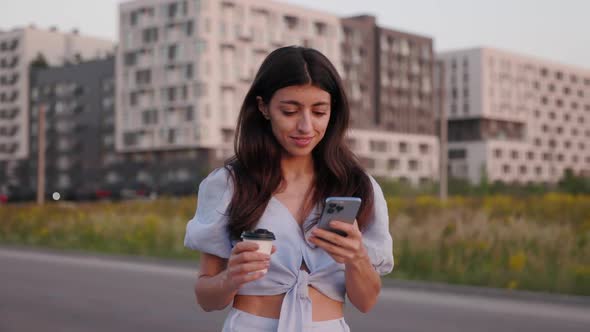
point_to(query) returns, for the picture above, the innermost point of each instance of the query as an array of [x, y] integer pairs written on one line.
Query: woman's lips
[[302, 141]]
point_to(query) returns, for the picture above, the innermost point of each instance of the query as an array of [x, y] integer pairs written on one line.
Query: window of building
[[378, 146], [172, 9], [291, 22], [457, 153], [143, 76], [393, 164], [130, 58], [403, 147], [497, 153], [558, 75], [559, 102], [413, 164], [188, 28], [424, 148], [531, 155], [368, 163], [172, 52], [351, 143]]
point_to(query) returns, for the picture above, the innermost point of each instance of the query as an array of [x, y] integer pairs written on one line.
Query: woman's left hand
[[345, 250]]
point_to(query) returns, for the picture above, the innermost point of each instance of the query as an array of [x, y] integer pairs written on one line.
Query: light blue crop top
[[207, 232]]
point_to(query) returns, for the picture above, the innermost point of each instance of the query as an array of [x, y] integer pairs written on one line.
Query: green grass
[[539, 243]]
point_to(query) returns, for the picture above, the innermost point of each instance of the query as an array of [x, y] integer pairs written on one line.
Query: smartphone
[[342, 209]]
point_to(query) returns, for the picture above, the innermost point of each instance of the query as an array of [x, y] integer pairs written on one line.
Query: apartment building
[[409, 158], [18, 47], [515, 118], [80, 157], [389, 76], [184, 66]]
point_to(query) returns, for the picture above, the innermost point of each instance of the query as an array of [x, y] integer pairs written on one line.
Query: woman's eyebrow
[[296, 103]]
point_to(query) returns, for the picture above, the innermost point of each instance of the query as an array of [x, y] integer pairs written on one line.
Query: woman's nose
[[304, 123]]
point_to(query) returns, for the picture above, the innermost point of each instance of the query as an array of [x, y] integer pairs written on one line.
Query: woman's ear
[[262, 107]]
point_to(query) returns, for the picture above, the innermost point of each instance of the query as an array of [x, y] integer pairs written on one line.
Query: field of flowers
[[539, 243]]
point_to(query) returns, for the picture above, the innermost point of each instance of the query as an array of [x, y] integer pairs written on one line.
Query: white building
[[18, 47], [515, 118], [184, 67], [411, 158]]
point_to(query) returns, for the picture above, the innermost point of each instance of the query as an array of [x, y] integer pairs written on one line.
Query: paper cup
[[263, 238]]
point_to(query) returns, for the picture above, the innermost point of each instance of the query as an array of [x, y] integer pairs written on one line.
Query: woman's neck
[[297, 168]]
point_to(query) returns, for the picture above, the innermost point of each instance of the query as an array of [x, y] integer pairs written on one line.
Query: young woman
[[290, 155]]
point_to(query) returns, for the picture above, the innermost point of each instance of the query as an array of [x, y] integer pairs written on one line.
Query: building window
[[143, 76], [172, 52], [378, 146], [403, 147], [531, 155], [424, 148], [457, 153], [393, 164], [351, 143], [130, 58], [558, 75], [368, 163], [290, 22], [413, 164]]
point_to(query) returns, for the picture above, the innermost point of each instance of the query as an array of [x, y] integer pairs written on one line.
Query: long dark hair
[[256, 166]]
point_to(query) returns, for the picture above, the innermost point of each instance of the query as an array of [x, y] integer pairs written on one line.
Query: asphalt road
[[47, 291]]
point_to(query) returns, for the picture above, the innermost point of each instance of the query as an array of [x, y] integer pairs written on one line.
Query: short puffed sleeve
[[207, 230], [376, 236]]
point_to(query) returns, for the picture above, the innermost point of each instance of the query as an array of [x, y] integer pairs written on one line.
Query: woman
[[290, 155]]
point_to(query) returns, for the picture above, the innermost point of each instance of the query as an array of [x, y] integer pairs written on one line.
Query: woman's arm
[[362, 282], [219, 279]]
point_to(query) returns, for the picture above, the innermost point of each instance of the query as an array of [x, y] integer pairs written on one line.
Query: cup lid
[[258, 234]]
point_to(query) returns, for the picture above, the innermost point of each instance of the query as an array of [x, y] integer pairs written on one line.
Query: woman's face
[[299, 116]]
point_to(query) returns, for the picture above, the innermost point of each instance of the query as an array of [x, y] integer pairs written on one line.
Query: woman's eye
[[320, 113], [288, 112]]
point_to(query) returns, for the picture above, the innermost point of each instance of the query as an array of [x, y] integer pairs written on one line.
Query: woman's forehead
[[303, 94]]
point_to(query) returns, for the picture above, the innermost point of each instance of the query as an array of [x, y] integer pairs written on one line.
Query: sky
[[555, 30]]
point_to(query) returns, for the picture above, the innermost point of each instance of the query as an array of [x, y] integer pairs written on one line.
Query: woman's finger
[[248, 268], [336, 239], [332, 248]]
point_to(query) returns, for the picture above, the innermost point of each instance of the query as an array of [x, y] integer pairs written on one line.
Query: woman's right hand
[[245, 265]]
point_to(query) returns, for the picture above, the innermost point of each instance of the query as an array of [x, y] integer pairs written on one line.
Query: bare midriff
[[323, 307]]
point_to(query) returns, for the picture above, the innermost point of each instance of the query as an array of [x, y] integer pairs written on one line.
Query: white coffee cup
[[263, 238]]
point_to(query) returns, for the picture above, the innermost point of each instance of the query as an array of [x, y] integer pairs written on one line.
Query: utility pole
[[41, 156], [443, 137]]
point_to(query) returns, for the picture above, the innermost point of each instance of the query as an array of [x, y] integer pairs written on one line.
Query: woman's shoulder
[[374, 184], [218, 179]]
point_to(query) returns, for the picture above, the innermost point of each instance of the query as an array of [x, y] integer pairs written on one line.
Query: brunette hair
[[256, 166]]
